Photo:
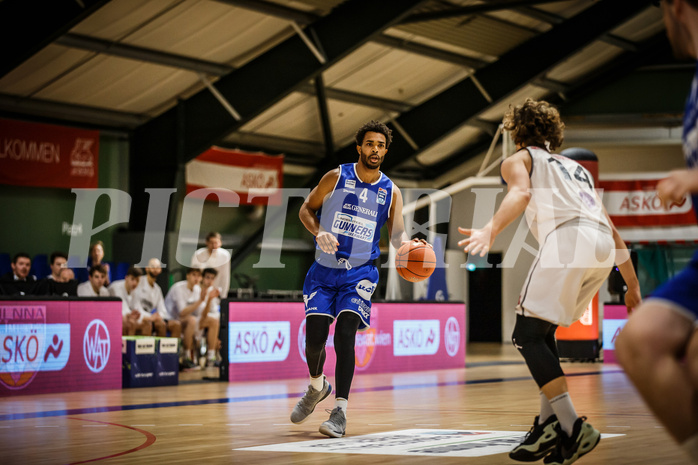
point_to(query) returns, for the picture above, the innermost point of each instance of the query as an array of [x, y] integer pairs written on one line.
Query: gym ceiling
[[299, 76]]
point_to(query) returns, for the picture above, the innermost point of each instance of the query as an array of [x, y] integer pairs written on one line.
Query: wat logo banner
[[46, 155], [59, 346]]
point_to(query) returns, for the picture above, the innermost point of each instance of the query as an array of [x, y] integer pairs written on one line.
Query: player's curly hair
[[374, 126], [535, 123]]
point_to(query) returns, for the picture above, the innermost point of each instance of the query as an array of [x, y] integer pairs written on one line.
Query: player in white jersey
[[576, 249]]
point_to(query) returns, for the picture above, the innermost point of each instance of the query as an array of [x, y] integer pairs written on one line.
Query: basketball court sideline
[[406, 418]]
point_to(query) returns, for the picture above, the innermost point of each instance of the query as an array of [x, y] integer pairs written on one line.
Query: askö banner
[[266, 340], [46, 155], [256, 177]]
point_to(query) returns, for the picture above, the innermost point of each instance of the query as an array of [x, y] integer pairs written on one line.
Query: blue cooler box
[[149, 361]]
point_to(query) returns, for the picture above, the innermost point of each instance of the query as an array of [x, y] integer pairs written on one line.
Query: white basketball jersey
[[562, 190]]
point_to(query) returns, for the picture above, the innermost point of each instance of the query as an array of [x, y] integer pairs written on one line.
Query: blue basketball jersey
[[690, 133], [355, 212]]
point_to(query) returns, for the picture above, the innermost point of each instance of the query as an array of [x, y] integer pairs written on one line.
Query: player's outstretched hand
[[673, 189], [327, 242], [479, 242]]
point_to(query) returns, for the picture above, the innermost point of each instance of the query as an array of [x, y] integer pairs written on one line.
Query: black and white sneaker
[[539, 441], [568, 449]]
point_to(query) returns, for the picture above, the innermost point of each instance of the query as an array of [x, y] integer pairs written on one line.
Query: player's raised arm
[[308, 211]]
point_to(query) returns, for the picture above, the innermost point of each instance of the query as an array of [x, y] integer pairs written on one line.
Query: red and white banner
[[256, 178], [634, 203], [45, 155]]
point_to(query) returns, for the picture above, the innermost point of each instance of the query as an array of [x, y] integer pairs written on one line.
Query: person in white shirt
[[135, 319], [181, 302], [210, 313], [94, 286], [149, 297], [213, 256]]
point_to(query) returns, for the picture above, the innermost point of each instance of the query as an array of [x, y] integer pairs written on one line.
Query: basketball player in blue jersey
[[658, 347], [568, 220], [345, 212]]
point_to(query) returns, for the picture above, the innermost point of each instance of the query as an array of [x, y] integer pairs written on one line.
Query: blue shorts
[[681, 291], [331, 291]]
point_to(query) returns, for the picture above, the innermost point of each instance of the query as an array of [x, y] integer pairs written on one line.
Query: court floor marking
[[231, 400], [149, 439]]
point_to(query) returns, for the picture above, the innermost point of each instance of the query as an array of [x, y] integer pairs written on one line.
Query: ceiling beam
[[624, 65], [27, 26], [552, 18], [121, 119], [492, 5], [275, 144], [90, 116], [274, 9], [109, 47], [200, 121], [447, 111], [431, 52]]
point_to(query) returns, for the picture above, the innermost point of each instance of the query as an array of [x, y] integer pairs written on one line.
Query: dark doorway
[[485, 299]]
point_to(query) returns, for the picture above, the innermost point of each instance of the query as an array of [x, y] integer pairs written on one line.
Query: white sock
[[211, 354], [565, 412], [341, 403], [546, 411], [690, 447], [317, 383]]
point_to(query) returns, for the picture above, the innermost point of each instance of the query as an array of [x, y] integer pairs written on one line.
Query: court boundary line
[[234, 400]]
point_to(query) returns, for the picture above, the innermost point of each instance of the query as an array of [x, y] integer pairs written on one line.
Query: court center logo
[[96, 346], [452, 336]]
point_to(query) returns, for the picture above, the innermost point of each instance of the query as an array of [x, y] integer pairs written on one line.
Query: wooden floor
[[208, 422]]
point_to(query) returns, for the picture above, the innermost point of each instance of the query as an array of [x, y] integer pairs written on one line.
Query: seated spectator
[[21, 265], [181, 302], [64, 285], [66, 275], [18, 281], [149, 297], [211, 311], [96, 258], [135, 319], [94, 286], [58, 261]]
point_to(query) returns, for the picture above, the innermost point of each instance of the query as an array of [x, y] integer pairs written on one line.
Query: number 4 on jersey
[[364, 195]]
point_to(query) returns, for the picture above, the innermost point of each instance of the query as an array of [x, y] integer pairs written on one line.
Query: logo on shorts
[[365, 289], [306, 298], [362, 307]]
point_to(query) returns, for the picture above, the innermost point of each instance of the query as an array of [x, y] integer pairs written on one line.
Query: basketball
[[415, 261]]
